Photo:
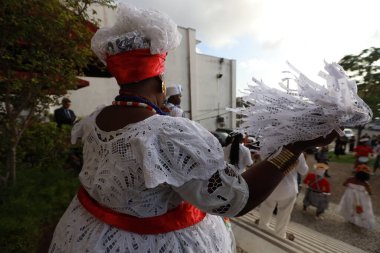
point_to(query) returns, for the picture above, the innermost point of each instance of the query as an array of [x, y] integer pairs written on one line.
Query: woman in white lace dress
[[355, 204], [154, 183]]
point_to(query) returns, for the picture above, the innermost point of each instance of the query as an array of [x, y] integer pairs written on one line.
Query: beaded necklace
[[136, 101]]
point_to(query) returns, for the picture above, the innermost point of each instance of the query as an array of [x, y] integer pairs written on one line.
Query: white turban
[[174, 90]]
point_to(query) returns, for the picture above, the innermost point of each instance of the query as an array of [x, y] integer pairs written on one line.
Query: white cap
[[364, 139], [363, 159], [174, 90]]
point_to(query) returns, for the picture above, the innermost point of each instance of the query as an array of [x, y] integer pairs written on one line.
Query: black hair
[[362, 176], [66, 100], [228, 140], [235, 147], [174, 99]]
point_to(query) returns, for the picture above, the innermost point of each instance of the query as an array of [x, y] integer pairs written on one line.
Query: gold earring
[[163, 87]]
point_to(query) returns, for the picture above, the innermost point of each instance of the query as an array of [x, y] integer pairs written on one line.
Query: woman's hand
[[300, 146]]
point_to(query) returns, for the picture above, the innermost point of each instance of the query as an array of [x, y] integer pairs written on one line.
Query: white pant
[[284, 210]]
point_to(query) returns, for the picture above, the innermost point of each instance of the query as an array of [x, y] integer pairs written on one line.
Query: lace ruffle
[[281, 116], [147, 28], [128, 169]]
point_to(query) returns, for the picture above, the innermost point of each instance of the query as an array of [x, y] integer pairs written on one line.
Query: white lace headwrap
[[135, 29], [279, 117]]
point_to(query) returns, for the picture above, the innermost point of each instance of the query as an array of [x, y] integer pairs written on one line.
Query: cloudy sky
[[263, 34]]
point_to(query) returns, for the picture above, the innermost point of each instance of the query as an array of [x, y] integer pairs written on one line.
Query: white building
[[209, 83]]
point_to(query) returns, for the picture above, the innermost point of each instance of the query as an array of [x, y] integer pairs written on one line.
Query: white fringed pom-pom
[[279, 117], [135, 29]]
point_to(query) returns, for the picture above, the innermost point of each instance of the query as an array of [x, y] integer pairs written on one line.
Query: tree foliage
[[44, 45], [365, 69]]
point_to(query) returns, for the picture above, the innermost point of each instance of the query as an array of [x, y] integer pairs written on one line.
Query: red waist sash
[[183, 216]]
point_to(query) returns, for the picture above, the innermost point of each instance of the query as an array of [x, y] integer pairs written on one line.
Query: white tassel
[[279, 117]]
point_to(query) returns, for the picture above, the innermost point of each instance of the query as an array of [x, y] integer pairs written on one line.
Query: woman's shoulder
[[311, 174], [183, 126], [350, 179], [355, 185]]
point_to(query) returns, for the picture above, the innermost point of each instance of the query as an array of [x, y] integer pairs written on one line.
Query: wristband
[[284, 161]]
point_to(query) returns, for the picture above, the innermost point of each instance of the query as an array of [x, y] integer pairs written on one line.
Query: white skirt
[[356, 206], [78, 231]]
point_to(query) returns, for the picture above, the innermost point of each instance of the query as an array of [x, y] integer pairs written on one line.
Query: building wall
[[101, 91], [216, 91], [205, 96], [177, 70]]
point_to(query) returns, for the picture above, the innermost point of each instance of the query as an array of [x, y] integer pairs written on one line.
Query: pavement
[[333, 224]]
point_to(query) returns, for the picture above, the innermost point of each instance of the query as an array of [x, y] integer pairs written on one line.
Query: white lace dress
[[353, 196], [144, 170]]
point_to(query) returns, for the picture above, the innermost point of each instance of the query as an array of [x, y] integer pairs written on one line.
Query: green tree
[[365, 69], [44, 45]]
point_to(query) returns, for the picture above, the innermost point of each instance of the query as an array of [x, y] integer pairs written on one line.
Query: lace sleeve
[[181, 150], [225, 193]]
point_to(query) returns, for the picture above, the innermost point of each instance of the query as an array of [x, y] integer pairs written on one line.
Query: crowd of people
[[355, 205]]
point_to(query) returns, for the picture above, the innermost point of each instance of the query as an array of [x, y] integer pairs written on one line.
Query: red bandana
[[134, 66]]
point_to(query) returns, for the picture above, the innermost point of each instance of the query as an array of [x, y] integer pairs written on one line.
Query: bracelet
[[284, 161]]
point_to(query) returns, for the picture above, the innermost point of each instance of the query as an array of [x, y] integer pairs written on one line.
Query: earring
[[163, 87]]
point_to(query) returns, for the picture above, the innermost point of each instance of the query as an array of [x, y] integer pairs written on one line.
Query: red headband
[[362, 167], [134, 66]]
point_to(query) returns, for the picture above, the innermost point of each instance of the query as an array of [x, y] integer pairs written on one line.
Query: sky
[[261, 35]]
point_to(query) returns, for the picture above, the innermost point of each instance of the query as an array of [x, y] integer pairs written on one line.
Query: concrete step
[[249, 235]]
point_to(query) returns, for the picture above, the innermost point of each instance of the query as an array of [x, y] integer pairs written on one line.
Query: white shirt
[[288, 187], [245, 158], [376, 150], [175, 111]]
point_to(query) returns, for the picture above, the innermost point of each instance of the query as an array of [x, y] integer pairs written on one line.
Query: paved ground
[[333, 224]]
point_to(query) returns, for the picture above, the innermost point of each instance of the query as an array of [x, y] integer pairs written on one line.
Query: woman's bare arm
[[263, 178]]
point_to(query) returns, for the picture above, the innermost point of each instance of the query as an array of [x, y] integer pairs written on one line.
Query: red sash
[[183, 216]]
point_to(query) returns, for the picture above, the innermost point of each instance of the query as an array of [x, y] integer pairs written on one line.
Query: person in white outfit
[[237, 154], [173, 104], [356, 205], [151, 182], [284, 196]]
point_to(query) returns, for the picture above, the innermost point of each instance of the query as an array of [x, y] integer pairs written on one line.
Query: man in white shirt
[[284, 196], [173, 104]]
